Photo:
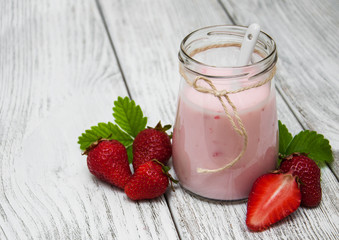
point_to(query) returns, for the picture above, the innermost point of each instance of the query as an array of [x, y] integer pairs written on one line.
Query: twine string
[[224, 99]]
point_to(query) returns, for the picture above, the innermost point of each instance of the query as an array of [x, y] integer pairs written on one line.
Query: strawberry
[[150, 180], [107, 160], [309, 174], [273, 197], [152, 143]]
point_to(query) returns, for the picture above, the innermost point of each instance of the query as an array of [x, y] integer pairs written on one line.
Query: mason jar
[[226, 129]]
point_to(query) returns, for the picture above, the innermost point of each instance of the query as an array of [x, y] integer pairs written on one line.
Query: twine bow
[[223, 96]]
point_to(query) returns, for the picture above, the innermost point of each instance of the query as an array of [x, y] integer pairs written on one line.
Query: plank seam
[[171, 213], [289, 105], [227, 13], [112, 46]]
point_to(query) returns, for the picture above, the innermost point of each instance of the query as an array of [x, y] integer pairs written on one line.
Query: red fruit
[[273, 197], [108, 161], [150, 180], [152, 143], [309, 174]]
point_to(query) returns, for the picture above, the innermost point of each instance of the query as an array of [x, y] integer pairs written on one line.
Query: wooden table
[[63, 63]]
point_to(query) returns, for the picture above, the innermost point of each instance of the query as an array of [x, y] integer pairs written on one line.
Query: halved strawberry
[[273, 197]]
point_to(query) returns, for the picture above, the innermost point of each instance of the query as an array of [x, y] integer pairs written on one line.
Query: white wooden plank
[[306, 33], [59, 76], [146, 35]]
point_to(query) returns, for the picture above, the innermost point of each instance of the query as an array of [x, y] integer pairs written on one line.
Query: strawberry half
[[273, 197]]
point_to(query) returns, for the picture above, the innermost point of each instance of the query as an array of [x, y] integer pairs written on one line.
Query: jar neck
[[221, 37]]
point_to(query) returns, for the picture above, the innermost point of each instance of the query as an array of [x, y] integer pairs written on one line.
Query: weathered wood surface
[[61, 69], [59, 76]]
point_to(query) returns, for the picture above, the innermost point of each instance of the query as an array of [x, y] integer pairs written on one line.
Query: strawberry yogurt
[[203, 136]]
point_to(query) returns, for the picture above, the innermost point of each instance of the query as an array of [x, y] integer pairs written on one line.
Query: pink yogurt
[[204, 138]]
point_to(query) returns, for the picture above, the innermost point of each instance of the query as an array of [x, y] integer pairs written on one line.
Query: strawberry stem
[[161, 128], [165, 170], [93, 145]]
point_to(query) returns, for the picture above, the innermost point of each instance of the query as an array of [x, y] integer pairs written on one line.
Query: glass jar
[[226, 129]]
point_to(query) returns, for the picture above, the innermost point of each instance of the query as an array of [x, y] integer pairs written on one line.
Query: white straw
[[248, 44]]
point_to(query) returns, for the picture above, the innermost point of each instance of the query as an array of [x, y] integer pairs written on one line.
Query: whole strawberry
[[273, 197], [150, 180], [108, 161], [152, 143], [309, 174]]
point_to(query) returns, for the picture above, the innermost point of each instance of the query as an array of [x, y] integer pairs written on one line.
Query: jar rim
[[267, 62]]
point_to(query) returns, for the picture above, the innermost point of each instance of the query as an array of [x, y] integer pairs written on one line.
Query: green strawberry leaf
[[103, 130], [285, 137], [129, 116], [315, 145], [130, 153]]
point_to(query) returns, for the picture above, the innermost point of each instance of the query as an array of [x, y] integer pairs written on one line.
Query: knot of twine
[[223, 95]]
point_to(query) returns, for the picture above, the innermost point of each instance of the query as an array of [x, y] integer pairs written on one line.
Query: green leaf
[[315, 145], [129, 116], [130, 153], [285, 137], [104, 130]]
